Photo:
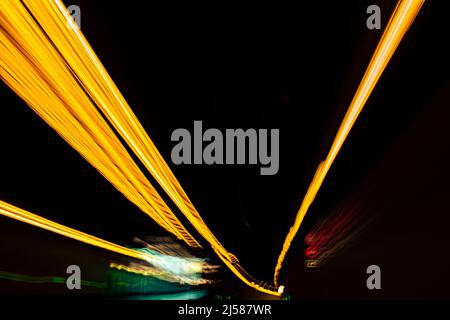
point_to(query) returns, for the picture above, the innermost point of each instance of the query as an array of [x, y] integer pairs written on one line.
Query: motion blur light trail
[[120, 283], [52, 67], [145, 270], [13, 212], [178, 269], [400, 21], [124, 283], [41, 280], [332, 233], [175, 264]]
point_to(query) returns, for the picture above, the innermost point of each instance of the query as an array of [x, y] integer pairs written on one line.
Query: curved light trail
[[399, 23]]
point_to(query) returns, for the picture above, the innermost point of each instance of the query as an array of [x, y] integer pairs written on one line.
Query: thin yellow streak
[[16, 213], [399, 23]]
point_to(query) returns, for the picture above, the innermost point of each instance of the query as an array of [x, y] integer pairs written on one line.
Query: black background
[[288, 65]]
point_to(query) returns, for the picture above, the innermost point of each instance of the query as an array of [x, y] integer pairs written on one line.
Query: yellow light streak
[[400, 21], [16, 213]]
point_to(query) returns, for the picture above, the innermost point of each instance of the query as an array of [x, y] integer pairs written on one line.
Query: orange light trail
[[400, 21]]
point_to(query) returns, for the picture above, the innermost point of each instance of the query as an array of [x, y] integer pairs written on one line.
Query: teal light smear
[[122, 283], [189, 295], [42, 280]]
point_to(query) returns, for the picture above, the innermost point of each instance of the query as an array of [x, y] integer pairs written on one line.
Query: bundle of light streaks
[[50, 65], [146, 270], [175, 263], [33, 68], [79, 56], [400, 21]]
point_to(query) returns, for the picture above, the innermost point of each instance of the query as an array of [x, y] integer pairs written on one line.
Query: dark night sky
[[279, 65]]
